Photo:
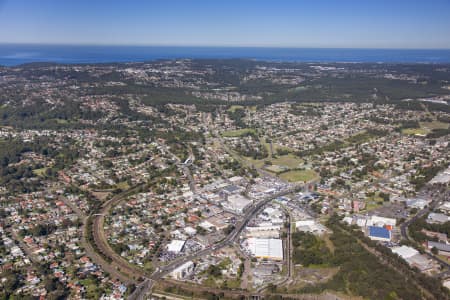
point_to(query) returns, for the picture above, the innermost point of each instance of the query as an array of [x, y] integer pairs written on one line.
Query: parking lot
[[391, 210]]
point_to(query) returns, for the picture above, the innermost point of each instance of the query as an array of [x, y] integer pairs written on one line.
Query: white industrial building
[[237, 203], [381, 221], [310, 226], [176, 246], [190, 230], [183, 270], [413, 257], [417, 203], [405, 252], [366, 221], [445, 207], [272, 215], [265, 248]]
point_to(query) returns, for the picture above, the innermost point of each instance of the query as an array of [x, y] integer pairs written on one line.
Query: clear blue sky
[[278, 23]]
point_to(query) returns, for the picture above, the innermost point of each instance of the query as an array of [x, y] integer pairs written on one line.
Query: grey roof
[[231, 189], [439, 246], [436, 217]]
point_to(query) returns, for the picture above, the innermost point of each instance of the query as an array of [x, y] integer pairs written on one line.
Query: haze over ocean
[[16, 54]]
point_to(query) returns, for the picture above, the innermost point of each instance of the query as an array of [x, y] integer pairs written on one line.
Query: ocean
[[12, 55]]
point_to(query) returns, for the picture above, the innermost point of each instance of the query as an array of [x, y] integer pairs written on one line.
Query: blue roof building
[[379, 233]]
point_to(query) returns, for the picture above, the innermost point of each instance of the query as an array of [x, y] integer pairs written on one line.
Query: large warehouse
[[176, 246], [237, 203], [265, 248]]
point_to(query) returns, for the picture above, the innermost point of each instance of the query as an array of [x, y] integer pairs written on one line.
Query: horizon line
[[216, 46]]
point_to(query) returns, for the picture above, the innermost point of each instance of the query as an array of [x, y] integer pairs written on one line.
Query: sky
[[255, 23]]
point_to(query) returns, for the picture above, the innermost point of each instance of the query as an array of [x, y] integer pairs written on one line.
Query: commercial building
[[265, 248], [413, 257], [381, 221], [443, 249], [237, 203], [310, 226], [445, 207], [379, 234], [183, 270], [176, 246], [417, 203], [437, 218]]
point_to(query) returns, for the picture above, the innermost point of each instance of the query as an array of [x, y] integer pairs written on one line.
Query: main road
[[228, 240], [133, 272], [404, 227]]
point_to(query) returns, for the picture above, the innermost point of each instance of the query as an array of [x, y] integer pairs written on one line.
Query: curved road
[[135, 273], [132, 271]]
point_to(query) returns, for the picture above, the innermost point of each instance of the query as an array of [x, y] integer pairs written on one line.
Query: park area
[[238, 133], [425, 128], [299, 175]]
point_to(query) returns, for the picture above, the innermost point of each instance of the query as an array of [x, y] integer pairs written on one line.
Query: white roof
[[270, 190], [405, 252], [175, 246], [266, 248], [304, 223], [189, 230], [206, 225], [310, 226], [447, 283], [445, 206], [361, 222], [417, 203], [264, 228], [271, 210], [438, 217], [235, 178], [348, 220], [237, 202], [381, 221], [183, 267]]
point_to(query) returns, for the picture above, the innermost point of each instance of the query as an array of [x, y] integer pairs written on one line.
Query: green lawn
[[39, 172], [371, 205], [258, 163], [233, 108], [299, 175], [238, 133], [434, 125], [61, 121], [123, 185], [290, 161], [279, 164], [425, 128], [415, 131], [93, 290], [374, 202], [274, 168]]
